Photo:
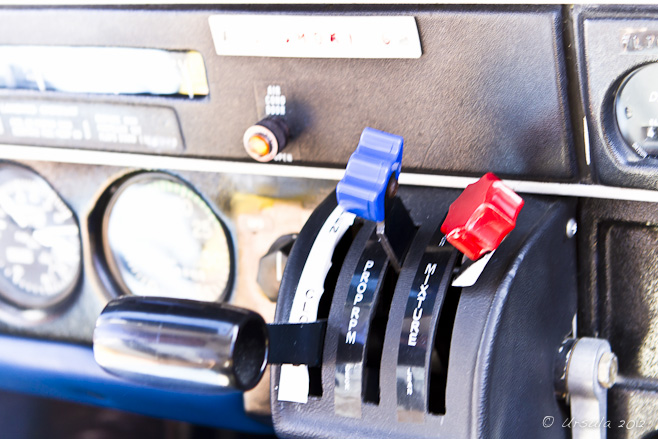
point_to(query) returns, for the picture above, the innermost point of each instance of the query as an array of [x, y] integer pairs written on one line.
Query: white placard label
[[294, 380], [327, 36]]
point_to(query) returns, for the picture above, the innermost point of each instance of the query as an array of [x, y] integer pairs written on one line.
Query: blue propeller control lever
[[371, 170], [362, 190]]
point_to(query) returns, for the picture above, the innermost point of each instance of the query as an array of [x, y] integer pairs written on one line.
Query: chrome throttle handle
[[181, 344], [189, 345]]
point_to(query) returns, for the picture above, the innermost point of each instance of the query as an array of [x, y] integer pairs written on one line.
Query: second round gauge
[[162, 239]]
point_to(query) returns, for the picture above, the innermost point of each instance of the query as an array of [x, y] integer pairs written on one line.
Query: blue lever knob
[[362, 191]]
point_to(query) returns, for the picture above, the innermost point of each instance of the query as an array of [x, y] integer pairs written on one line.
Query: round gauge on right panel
[[636, 110], [161, 238]]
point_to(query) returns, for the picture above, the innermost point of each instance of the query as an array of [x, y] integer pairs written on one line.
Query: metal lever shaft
[[386, 245], [586, 369]]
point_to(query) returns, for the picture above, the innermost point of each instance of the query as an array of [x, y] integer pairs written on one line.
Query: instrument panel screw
[[572, 228]]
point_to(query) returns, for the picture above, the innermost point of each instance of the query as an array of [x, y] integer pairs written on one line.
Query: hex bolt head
[[608, 370]]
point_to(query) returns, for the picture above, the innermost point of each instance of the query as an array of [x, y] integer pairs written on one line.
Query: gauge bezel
[[41, 309], [623, 135], [103, 258]]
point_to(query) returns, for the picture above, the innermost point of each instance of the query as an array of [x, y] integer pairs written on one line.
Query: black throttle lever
[[195, 345]]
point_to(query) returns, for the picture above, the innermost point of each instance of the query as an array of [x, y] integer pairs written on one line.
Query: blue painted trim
[[67, 371]]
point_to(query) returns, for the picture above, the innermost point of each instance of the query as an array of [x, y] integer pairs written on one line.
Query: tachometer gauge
[[162, 239], [40, 250]]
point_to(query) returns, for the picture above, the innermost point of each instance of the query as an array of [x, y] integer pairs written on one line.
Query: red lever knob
[[482, 216]]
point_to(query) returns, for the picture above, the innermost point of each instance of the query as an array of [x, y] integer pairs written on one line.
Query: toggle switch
[[482, 216]]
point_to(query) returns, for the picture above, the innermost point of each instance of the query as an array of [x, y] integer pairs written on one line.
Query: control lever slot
[[364, 316], [330, 224], [375, 342], [438, 376], [421, 368], [340, 252]]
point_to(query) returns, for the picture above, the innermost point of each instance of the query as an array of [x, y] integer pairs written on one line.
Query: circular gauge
[[636, 110], [40, 249], [162, 239]]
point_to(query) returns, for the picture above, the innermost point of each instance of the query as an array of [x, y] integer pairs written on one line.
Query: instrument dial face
[[40, 249], [162, 239]]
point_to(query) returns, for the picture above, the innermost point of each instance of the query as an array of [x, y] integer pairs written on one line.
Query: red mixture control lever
[[482, 216]]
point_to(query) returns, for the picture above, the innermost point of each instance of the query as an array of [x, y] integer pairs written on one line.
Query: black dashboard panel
[[488, 93], [527, 92]]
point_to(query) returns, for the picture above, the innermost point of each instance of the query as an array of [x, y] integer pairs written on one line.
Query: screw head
[[608, 370], [572, 228]]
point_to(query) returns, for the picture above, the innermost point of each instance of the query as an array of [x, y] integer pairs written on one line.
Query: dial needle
[[15, 212], [48, 236]]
